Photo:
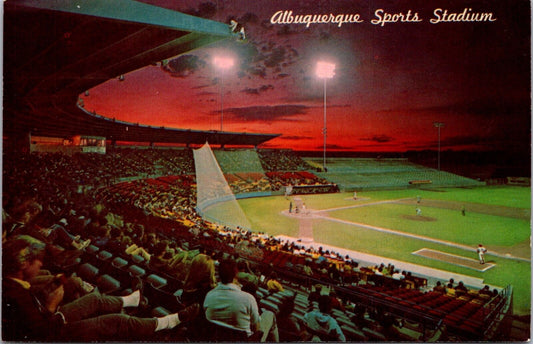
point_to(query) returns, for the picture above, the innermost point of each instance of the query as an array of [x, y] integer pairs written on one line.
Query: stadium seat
[[353, 334], [92, 249], [107, 284], [136, 271], [119, 262], [136, 259], [225, 334], [158, 296], [88, 272], [269, 305], [373, 335], [89, 254], [156, 281], [103, 259]]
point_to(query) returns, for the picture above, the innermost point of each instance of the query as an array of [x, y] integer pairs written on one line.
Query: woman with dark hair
[[200, 280]]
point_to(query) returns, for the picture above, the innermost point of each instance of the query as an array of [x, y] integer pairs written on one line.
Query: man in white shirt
[[228, 306]]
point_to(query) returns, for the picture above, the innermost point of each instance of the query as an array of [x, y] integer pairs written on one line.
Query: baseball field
[[441, 236]]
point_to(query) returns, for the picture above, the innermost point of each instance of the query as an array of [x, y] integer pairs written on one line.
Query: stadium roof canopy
[[55, 50]]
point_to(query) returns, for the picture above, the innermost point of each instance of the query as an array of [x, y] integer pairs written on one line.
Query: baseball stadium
[[117, 229]]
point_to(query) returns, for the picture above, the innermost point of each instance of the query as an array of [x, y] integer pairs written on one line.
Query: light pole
[[325, 70], [223, 63], [438, 125]]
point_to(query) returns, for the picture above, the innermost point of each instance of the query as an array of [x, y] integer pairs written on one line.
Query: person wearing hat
[[93, 317]]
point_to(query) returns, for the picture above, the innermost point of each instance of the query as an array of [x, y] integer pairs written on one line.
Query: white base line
[[487, 266]]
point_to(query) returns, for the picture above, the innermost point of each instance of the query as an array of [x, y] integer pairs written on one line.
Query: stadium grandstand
[[115, 218]]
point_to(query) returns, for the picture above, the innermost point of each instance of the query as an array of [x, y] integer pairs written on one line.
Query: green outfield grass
[[443, 224], [264, 215]]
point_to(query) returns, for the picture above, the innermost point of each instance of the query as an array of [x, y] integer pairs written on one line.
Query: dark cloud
[[248, 18], [200, 86], [295, 138], [288, 113], [252, 91], [257, 91], [183, 65], [257, 71], [285, 30], [204, 10], [265, 88], [206, 93], [332, 147], [378, 138]]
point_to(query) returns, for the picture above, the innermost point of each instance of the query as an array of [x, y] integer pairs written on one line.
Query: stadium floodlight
[[222, 63], [438, 125], [325, 70]]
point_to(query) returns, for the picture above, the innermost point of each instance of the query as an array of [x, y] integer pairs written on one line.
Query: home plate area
[[454, 259]]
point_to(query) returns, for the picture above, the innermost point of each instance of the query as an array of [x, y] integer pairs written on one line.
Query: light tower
[[438, 125], [222, 63], [325, 70]]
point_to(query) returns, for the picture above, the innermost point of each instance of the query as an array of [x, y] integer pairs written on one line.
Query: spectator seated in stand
[[200, 280], [315, 294], [31, 220], [289, 328], [134, 250], [268, 328], [116, 243], [272, 284], [245, 274], [233, 312], [321, 324], [93, 317], [439, 288], [391, 329], [160, 257], [460, 289], [485, 292]]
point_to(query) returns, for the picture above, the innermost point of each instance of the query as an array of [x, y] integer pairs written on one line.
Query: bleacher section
[[238, 160], [366, 174], [282, 160], [425, 316]]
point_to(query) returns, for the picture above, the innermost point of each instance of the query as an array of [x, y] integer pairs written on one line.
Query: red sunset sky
[[392, 82]]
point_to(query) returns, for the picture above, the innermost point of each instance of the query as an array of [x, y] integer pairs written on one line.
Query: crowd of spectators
[[278, 160], [238, 160], [67, 203]]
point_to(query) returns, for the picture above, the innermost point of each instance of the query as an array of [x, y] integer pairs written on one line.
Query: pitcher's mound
[[419, 218]]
